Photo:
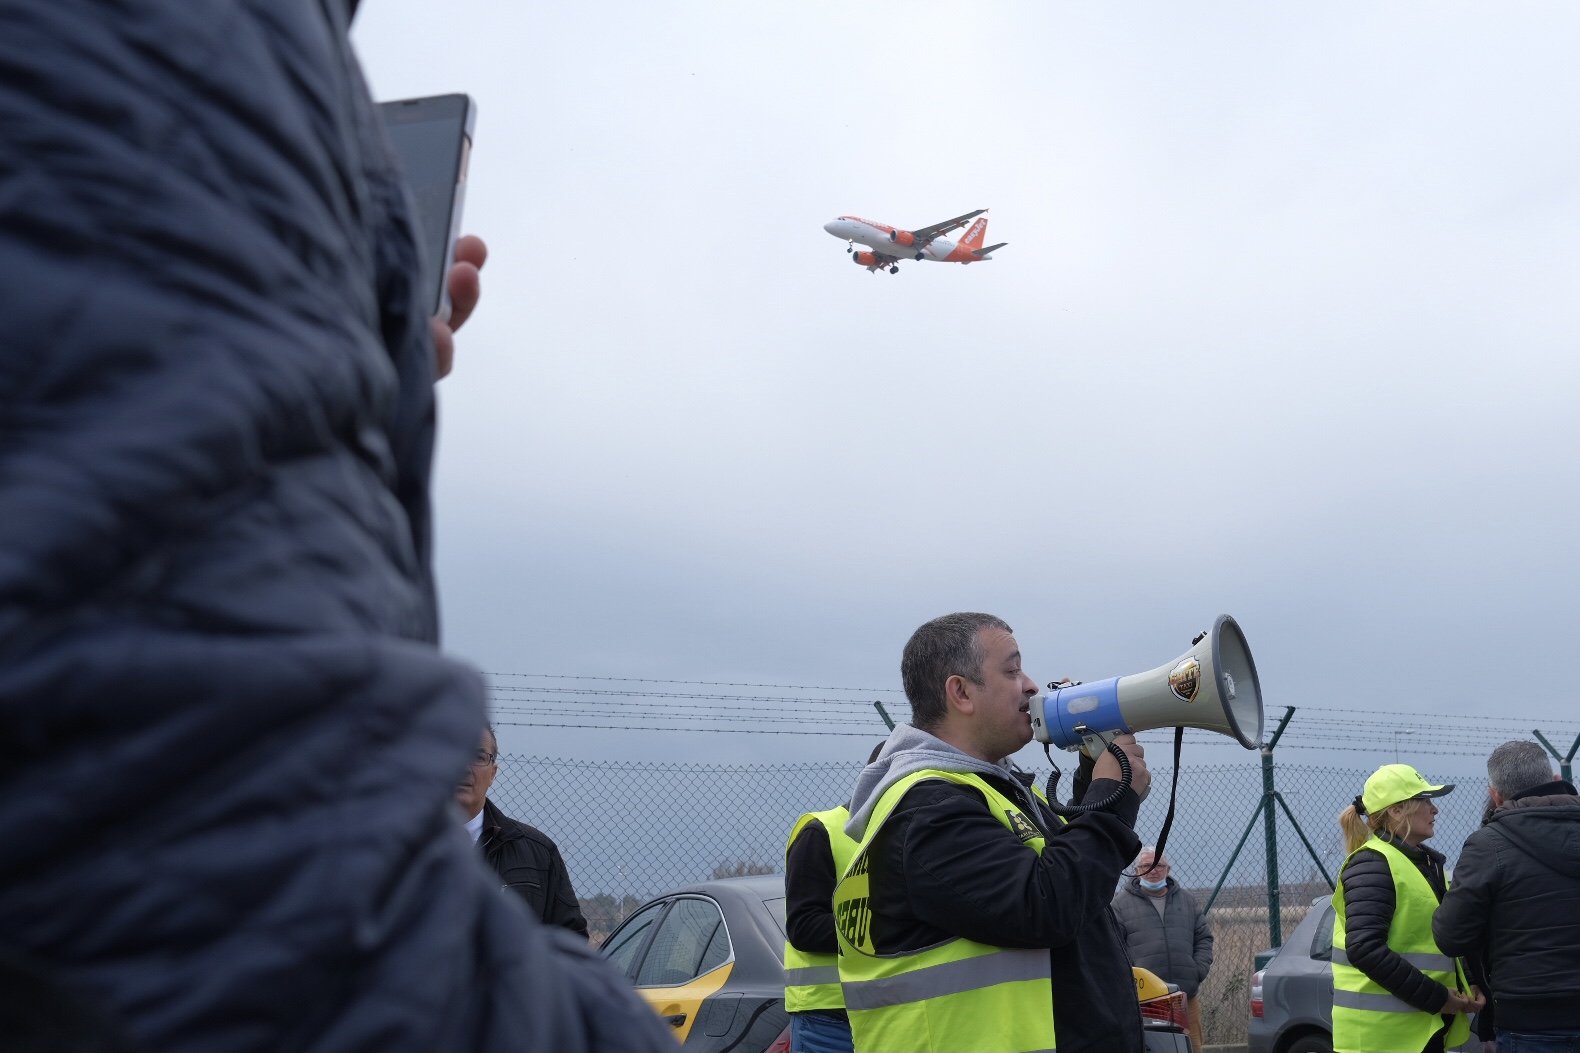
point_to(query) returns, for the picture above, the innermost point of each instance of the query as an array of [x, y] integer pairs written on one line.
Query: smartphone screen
[[432, 137]]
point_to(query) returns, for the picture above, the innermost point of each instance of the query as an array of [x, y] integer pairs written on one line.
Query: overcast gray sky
[[1286, 328]]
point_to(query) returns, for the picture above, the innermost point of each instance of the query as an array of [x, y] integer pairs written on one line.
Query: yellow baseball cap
[[1393, 783]]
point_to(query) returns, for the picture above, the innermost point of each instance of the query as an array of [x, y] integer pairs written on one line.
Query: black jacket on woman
[[1368, 912]]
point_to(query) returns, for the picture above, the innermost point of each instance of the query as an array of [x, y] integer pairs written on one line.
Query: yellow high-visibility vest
[[1366, 1018], [959, 996], [812, 979]]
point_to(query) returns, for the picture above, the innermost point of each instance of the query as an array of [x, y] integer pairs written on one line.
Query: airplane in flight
[[889, 245]]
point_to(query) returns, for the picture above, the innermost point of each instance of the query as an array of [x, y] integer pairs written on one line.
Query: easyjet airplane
[[890, 244]]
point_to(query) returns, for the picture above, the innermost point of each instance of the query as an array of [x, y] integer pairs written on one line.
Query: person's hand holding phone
[[466, 288]]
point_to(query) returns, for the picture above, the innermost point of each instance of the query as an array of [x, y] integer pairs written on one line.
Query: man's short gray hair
[[1518, 765], [942, 648]]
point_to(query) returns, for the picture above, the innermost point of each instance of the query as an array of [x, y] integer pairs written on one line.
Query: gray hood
[[909, 750]]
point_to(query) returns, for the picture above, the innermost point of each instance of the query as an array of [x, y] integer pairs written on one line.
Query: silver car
[[1292, 996]]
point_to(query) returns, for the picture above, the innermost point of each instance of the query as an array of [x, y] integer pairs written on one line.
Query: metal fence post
[[1275, 927], [1564, 767], [884, 713]]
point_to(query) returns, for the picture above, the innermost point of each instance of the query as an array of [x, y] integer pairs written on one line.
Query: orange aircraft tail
[[974, 236]]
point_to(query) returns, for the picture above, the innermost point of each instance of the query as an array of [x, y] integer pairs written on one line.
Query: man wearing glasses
[[527, 861]]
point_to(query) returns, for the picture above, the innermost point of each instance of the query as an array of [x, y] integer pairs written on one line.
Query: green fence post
[[884, 713], [1275, 927], [1564, 767]]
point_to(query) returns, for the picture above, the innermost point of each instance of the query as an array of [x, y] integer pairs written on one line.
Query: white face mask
[[1151, 885]]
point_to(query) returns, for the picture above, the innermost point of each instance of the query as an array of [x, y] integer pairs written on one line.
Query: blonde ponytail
[[1395, 819], [1356, 830]]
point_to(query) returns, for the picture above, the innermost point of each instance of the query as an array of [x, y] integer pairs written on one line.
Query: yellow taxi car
[[709, 959]]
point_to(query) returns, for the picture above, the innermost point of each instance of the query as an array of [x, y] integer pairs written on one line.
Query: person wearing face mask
[[1165, 931], [1394, 990]]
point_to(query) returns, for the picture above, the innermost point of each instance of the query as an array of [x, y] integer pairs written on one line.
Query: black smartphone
[[432, 137]]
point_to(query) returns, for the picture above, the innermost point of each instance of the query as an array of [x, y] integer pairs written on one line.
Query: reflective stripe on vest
[[812, 979], [1366, 1017], [959, 996]]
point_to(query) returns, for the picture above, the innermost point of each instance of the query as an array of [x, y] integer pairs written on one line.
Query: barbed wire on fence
[[592, 703]]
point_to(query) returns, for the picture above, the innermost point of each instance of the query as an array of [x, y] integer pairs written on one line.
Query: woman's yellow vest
[[958, 996], [1366, 1018], [812, 980]]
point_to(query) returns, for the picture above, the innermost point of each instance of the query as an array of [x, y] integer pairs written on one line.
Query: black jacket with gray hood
[[949, 869], [1513, 898]]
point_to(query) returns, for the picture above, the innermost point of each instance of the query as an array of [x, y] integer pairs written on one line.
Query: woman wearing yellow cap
[[1393, 990]]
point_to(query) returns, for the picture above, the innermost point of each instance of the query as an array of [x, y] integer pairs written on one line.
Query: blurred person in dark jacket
[[1515, 903], [526, 859], [231, 741], [1394, 989], [1165, 931]]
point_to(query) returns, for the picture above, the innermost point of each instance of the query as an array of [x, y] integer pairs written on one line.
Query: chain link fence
[[631, 830]]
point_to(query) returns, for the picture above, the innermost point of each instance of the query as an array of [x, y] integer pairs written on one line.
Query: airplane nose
[[830, 225]]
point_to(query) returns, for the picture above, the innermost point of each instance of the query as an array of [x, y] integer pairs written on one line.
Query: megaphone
[[1211, 686]]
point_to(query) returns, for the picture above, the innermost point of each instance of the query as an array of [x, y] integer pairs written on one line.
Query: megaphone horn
[[1211, 686]]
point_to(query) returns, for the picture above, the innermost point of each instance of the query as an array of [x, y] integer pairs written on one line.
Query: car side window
[[690, 941], [717, 951], [622, 946], [1322, 940], [776, 907]]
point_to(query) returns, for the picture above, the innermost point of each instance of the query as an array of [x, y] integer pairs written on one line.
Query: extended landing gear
[[894, 270], [850, 246]]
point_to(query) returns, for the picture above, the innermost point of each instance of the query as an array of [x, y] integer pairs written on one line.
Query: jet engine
[[902, 237], [866, 259]]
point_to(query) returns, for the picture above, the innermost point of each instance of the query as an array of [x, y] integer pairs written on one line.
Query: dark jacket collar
[[497, 824], [1556, 788], [1419, 854]]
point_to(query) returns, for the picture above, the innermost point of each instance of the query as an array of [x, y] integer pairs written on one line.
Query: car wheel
[[1311, 1044]]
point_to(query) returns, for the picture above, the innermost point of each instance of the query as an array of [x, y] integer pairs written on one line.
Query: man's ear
[[957, 694], [1497, 798]]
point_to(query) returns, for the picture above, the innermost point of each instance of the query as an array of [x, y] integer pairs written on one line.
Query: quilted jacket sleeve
[[1368, 912], [230, 740]]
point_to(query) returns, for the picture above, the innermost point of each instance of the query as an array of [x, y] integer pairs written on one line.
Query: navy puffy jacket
[[229, 740]]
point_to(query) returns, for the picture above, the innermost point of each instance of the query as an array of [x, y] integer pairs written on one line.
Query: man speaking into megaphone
[[970, 910]]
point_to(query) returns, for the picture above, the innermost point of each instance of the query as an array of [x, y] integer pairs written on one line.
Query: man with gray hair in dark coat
[[1165, 931], [1513, 901]]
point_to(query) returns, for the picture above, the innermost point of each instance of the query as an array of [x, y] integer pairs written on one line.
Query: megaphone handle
[[1097, 806]]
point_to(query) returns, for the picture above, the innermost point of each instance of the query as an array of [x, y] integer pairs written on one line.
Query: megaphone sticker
[[1185, 679]]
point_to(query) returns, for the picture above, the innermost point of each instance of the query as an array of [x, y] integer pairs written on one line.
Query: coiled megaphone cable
[[1068, 810]]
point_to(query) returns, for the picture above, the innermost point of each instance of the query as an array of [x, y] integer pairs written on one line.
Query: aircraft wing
[[925, 234]]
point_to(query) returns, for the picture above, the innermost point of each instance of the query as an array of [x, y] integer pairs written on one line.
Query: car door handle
[[675, 1019]]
